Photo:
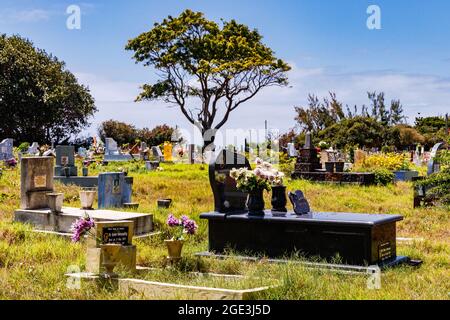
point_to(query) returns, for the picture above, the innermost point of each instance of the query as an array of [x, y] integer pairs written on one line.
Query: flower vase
[[174, 248], [279, 199], [255, 203]]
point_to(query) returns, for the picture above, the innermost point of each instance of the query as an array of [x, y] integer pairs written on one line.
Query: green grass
[[32, 265]]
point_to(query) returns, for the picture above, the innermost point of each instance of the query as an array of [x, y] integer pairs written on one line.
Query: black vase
[[255, 203], [339, 166], [329, 167], [66, 171], [279, 199]]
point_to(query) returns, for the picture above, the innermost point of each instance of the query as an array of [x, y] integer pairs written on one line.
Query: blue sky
[[327, 43]]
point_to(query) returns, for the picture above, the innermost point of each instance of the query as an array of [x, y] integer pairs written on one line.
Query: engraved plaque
[[40, 181]]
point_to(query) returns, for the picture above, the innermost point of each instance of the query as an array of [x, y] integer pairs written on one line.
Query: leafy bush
[[121, 132], [383, 176], [157, 135], [23, 147], [388, 161]]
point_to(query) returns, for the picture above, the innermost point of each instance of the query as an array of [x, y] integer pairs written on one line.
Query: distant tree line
[[124, 133], [379, 125]]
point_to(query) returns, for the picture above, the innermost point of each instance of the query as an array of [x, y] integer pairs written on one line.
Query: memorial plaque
[[114, 232], [40, 181], [115, 235], [64, 160], [385, 251]]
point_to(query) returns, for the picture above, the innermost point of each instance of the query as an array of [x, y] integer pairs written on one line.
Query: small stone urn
[[174, 248], [87, 197], [255, 203], [55, 201], [279, 199]]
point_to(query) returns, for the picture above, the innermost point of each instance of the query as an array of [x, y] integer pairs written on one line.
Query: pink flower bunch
[[181, 226], [266, 171], [80, 227]]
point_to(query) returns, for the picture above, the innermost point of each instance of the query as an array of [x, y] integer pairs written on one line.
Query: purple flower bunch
[[80, 227], [181, 226]]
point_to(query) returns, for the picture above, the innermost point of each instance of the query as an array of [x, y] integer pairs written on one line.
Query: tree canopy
[[205, 69], [39, 99]]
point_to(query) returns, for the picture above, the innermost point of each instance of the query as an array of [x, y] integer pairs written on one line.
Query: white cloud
[[23, 16]]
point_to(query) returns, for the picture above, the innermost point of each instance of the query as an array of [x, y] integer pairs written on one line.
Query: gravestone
[[191, 153], [227, 198], [433, 165], [6, 149], [65, 158], [36, 180], [113, 190], [111, 232], [34, 148], [112, 152], [111, 147], [156, 152], [144, 151], [83, 152], [291, 151]]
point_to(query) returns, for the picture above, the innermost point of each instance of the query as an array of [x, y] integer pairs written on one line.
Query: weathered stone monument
[[107, 233], [113, 190], [65, 161], [291, 151], [6, 149], [36, 180]]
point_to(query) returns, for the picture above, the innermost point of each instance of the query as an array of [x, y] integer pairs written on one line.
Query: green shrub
[[23, 147], [383, 176]]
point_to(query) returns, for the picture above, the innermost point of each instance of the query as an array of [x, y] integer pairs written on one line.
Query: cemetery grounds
[[32, 265]]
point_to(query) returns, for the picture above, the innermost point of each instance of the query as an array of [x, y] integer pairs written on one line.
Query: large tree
[[205, 69], [39, 99]]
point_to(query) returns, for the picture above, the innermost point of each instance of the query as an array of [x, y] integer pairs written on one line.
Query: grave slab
[[359, 239], [43, 219]]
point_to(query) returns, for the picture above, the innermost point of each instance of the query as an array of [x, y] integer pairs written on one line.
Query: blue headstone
[[6, 149], [113, 190]]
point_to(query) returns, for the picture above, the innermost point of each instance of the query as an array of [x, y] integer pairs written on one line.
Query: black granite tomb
[[358, 239]]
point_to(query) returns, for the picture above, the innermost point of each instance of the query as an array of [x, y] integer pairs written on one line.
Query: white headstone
[[291, 151], [34, 148], [111, 147], [6, 149]]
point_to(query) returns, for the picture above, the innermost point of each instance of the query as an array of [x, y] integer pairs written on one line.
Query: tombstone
[[83, 152], [299, 203], [151, 165], [111, 147], [168, 151], [227, 198], [433, 165], [65, 158], [36, 180], [156, 152], [144, 151], [6, 149], [34, 148], [191, 153], [111, 232], [113, 190], [291, 151]]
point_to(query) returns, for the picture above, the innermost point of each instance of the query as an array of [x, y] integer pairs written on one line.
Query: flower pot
[[329, 167], [255, 203], [339, 166], [85, 171], [55, 202], [174, 248], [164, 203], [279, 199], [87, 198]]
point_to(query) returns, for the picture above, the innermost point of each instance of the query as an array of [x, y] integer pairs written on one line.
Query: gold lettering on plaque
[[40, 181]]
